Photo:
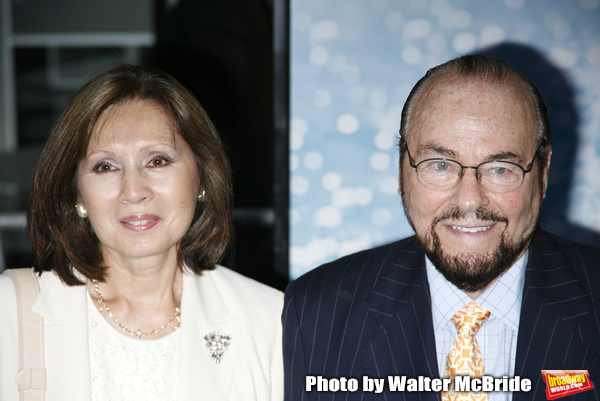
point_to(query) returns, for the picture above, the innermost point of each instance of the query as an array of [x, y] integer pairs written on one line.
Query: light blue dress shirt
[[497, 338]]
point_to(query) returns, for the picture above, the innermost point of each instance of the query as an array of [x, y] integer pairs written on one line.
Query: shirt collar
[[502, 298]]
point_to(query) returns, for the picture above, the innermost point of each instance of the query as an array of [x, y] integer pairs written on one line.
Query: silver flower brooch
[[216, 345]]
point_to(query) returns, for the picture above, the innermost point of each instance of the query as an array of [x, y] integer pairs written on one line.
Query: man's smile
[[471, 229]]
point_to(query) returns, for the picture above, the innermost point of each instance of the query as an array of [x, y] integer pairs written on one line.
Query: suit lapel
[[554, 308], [553, 332], [204, 311], [400, 338], [64, 310]]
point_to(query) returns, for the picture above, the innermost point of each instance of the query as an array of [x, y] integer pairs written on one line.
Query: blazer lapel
[[555, 307], [203, 311], [400, 336], [64, 310]]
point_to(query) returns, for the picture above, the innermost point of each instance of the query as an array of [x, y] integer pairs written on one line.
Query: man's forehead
[[450, 82], [448, 86], [467, 98], [453, 116], [496, 152]]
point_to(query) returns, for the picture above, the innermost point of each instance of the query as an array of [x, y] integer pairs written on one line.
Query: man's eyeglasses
[[441, 174]]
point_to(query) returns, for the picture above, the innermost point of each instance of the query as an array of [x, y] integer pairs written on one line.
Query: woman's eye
[[159, 161], [103, 167]]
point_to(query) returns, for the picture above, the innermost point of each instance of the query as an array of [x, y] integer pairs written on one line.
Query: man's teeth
[[139, 222], [471, 229]]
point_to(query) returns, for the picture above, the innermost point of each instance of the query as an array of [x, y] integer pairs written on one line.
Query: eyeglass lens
[[494, 176]]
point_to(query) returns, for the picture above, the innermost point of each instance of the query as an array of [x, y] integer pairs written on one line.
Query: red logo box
[[560, 383]]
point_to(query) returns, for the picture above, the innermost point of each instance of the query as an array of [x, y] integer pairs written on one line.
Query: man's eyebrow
[[440, 150], [445, 152], [503, 156]]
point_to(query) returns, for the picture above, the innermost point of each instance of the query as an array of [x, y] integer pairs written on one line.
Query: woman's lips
[[140, 222]]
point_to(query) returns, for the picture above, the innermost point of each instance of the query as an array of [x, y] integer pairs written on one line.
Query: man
[[474, 158]]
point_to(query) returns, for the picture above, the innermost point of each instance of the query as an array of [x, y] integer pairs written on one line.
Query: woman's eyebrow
[[100, 151]]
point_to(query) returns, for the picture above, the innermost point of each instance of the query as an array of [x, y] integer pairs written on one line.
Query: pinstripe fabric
[[560, 314], [369, 314]]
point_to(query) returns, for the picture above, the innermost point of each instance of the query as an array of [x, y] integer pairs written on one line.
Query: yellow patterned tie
[[464, 358]]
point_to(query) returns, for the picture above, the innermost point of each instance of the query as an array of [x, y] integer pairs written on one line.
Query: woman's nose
[[134, 187]]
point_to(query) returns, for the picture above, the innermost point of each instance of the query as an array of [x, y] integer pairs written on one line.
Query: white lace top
[[125, 368]]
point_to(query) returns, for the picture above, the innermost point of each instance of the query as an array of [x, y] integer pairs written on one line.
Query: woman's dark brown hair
[[61, 240]]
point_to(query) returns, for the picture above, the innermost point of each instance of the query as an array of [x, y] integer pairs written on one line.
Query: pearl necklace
[[102, 307]]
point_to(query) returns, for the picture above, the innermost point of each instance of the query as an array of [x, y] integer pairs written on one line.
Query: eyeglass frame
[[526, 170]]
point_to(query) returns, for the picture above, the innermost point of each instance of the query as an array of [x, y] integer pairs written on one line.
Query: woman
[[129, 212]]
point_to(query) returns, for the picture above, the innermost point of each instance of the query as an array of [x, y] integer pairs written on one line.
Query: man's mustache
[[481, 214]]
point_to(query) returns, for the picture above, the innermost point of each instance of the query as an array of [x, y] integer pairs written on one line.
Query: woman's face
[[139, 182]]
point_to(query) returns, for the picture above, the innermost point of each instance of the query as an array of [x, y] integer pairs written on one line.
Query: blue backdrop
[[353, 63]]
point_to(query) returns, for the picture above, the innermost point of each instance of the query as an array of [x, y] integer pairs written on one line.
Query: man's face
[[470, 234]]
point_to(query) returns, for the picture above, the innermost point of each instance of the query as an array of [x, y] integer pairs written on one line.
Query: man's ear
[[545, 171], [400, 180]]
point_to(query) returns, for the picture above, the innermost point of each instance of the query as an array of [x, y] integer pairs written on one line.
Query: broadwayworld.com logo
[[560, 383]]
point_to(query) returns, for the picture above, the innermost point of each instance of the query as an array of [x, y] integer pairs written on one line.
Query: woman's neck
[[141, 293]]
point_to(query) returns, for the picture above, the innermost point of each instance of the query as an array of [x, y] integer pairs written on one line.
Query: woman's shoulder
[[238, 279], [9, 339], [8, 297], [239, 289]]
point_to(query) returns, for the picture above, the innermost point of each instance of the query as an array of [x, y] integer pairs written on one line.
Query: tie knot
[[470, 318]]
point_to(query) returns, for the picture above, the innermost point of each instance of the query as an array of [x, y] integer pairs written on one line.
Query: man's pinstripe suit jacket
[[369, 314]]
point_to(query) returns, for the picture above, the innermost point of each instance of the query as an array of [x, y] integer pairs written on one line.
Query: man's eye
[[437, 167], [442, 166], [499, 170]]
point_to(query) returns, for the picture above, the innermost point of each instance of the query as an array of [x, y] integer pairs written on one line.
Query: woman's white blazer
[[219, 300]]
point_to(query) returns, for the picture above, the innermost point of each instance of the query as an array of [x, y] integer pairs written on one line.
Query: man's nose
[[469, 194]]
